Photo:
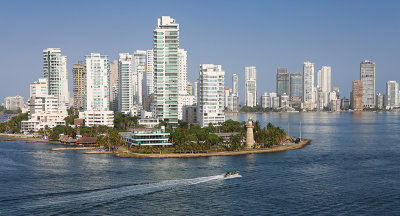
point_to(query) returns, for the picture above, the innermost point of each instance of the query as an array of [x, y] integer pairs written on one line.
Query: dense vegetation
[[185, 138], [257, 109], [14, 124]]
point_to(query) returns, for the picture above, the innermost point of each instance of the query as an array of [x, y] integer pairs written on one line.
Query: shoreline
[[280, 148], [27, 139]]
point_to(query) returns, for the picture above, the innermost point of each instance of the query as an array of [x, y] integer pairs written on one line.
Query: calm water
[[352, 167]]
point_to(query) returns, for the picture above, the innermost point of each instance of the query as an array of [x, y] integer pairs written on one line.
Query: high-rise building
[[196, 90], [308, 82], [235, 84], [296, 84], [323, 87], [356, 96], [55, 71], [282, 81], [114, 85], [126, 83], [78, 84], [139, 70], [210, 106], [149, 77], [392, 91], [182, 71], [97, 85], [166, 69], [250, 82], [379, 101], [184, 98], [39, 88], [367, 76], [324, 79]]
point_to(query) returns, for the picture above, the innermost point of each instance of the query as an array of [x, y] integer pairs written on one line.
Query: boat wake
[[103, 195]]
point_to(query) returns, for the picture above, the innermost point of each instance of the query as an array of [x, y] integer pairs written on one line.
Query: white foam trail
[[121, 192]]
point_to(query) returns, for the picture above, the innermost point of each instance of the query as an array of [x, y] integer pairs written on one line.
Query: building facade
[[379, 101], [367, 76], [392, 91], [210, 106], [149, 77], [308, 83], [282, 81], [39, 88], [139, 71], [97, 82], [114, 85], [55, 71], [14, 103], [235, 84], [296, 84], [126, 83], [250, 94], [166, 69], [78, 84], [356, 96]]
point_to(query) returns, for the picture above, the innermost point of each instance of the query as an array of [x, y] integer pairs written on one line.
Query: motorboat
[[231, 173]]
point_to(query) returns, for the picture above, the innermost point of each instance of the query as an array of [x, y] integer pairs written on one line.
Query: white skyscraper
[[166, 69], [392, 91], [323, 87], [367, 76], [308, 83], [250, 95], [97, 72], [125, 83], [182, 72], [140, 57], [235, 84], [55, 71], [210, 106], [149, 77], [184, 99]]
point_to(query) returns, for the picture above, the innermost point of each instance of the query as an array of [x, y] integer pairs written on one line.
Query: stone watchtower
[[249, 135]]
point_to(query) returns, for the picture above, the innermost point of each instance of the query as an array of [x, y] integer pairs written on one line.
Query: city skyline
[[343, 58]]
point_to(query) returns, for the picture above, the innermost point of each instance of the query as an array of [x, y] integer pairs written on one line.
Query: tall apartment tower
[[282, 81], [379, 101], [126, 83], [367, 76], [166, 45], [139, 70], [324, 79], [235, 84], [210, 106], [182, 71], [356, 96], [55, 71], [392, 93], [296, 85], [149, 76], [113, 91], [79, 84], [250, 83], [97, 82], [308, 82]]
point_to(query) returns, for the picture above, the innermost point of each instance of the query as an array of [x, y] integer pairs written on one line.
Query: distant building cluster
[[153, 84]]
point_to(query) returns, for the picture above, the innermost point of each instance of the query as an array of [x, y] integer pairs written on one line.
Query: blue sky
[[235, 34]]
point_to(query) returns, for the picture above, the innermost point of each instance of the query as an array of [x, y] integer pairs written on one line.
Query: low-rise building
[[97, 118], [147, 137]]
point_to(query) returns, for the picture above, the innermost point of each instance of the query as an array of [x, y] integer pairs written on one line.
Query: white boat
[[231, 173]]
